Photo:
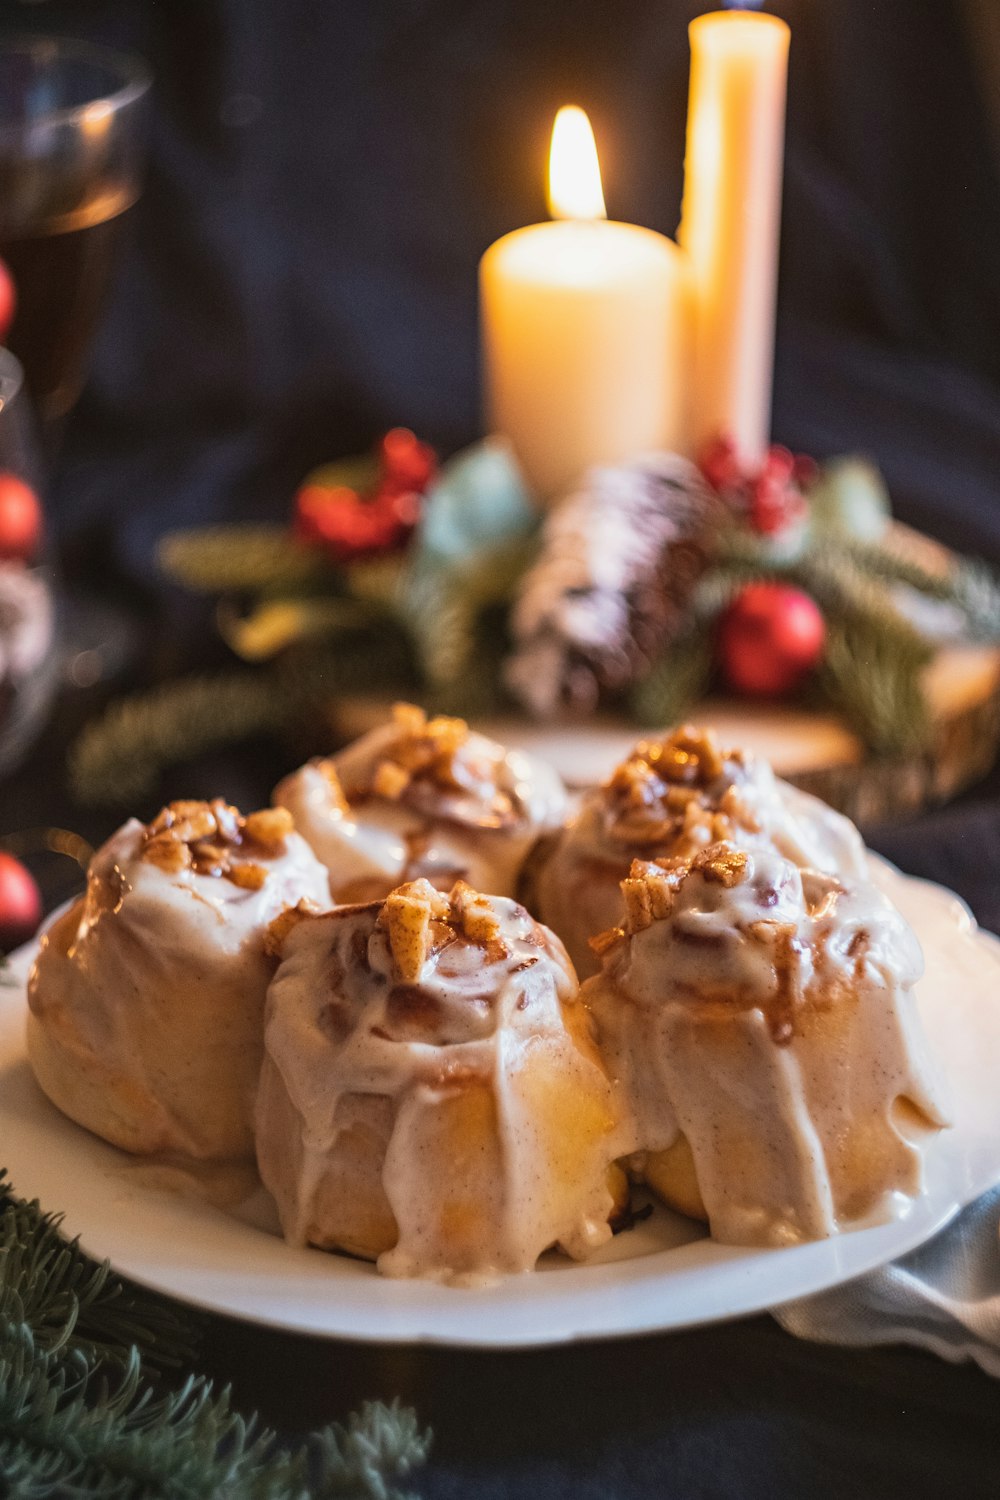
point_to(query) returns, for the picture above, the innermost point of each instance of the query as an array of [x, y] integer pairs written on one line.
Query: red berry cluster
[[349, 525], [772, 498]]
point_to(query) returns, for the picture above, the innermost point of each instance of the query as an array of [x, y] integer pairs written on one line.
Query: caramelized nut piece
[[228, 821], [390, 780], [338, 801], [270, 827], [472, 912], [722, 863], [407, 916], [248, 877], [409, 718], [167, 852], [281, 926], [603, 942], [197, 822]]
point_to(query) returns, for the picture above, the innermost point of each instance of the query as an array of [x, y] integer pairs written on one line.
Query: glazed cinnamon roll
[[430, 1095], [147, 997], [423, 798], [761, 1023]]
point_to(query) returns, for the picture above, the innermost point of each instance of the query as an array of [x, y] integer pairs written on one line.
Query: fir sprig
[[81, 1414], [119, 756], [675, 682], [874, 682], [252, 559]]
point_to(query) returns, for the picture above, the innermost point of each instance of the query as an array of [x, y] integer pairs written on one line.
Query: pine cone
[[610, 588]]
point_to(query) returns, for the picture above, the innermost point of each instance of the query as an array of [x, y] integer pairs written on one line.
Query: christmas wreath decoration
[[651, 581]]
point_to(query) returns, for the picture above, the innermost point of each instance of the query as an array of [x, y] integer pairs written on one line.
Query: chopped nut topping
[[410, 719], [282, 924], [665, 792], [432, 760], [722, 863], [390, 780], [168, 853], [210, 837], [337, 799], [270, 827], [650, 889], [649, 892], [420, 920], [186, 821], [473, 913], [603, 942], [689, 756], [407, 917]]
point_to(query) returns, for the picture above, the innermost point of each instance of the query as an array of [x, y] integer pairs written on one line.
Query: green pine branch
[[874, 681], [83, 1412], [675, 682], [119, 756], [235, 559]]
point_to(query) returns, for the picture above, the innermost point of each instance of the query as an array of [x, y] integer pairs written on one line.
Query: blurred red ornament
[[20, 902], [8, 300], [20, 519], [770, 638], [405, 463]]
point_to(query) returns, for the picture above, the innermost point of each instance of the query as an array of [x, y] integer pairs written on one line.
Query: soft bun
[[146, 1000]]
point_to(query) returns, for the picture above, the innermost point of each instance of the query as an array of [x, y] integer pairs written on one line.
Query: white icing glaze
[[444, 834], [492, 1113], [772, 1023], [147, 999], [576, 883]]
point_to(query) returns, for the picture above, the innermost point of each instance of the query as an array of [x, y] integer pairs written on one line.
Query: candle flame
[[574, 172]]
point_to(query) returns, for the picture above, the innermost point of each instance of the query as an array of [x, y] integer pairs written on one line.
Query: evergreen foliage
[[87, 1407]]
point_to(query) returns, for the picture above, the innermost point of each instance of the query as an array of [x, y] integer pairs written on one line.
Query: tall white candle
[[585, 327], [730, 220]]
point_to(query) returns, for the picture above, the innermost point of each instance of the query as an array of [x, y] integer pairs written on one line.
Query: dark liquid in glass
[[61, 269]]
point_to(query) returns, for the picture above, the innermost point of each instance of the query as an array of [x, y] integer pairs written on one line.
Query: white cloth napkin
[[945, 1296]]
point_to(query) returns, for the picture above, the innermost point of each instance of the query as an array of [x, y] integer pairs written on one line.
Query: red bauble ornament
[[20, 902], [20, 519], [8, 300], [770, 638]]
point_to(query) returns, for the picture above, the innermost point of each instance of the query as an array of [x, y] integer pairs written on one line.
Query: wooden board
[[814, 750]]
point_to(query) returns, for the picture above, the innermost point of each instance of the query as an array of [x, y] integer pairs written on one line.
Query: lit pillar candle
[[585, 327], [730, 220]]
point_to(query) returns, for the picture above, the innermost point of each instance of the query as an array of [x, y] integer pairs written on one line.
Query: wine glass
[[71, 146]]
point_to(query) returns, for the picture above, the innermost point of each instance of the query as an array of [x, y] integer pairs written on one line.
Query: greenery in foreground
[[92, 1401]]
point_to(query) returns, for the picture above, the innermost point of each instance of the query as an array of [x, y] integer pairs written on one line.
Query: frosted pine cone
[[619, 558]]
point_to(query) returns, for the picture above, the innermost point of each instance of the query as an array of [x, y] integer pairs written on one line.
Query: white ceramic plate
[[663, 1274]]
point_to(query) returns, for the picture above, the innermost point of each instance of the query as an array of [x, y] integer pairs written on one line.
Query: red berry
[[20, 519], [720, 465], [8, 300], [320, 511], [406, 463], [20, 902], [770, 638]]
